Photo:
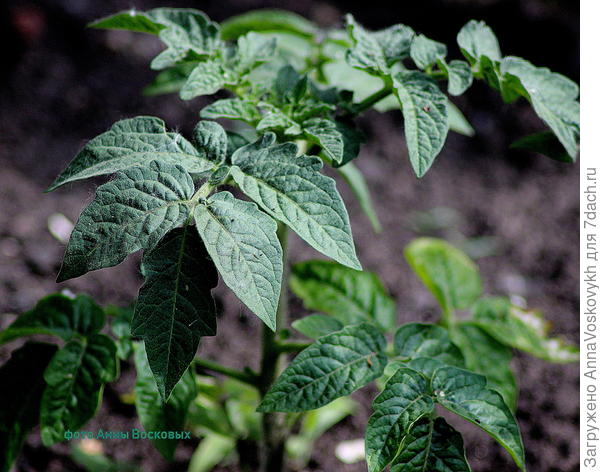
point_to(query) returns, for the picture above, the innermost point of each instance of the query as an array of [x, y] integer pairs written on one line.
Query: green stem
[[372, 99], [248, 377], [273, 424], [291, 346]]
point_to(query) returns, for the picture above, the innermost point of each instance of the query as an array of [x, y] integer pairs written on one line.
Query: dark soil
[[64, 84]]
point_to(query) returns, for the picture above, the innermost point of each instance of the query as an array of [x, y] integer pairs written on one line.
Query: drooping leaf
[[132, 212], [357, 183], [212, 139], [545, 143], [426, 340], [522, 329], [348, 295], [315, 326], [333, 366], [132, 142], [57, 315], [292, 190], [432, 446], [425, 111], [22, 383], [466, 394], [457, 121], [448, 273], [156, 415], [553, 97], [267, 20], [405, 399], [75, 376], [206, 79], [131, 20], [242, 243], [426, 52], [175, 306], [232, 109], [486, 356], [476, 39], [460, 76]]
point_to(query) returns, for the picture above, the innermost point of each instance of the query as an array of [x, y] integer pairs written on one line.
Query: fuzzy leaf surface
[[476, 39], [232, 109]]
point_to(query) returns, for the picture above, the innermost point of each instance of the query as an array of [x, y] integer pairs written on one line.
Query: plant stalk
[[372, 99], [249, 378], [273, 424]]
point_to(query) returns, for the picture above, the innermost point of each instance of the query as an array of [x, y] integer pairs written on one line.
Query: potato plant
[[220, 205]]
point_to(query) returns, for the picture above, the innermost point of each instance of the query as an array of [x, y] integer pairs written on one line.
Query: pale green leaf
[[133, 211], [315, 326], [243, 244], [357, 183], [348, 295], [268, 20], [232, 109], [448, 273], [132, 142], [206, 79], [131, 20], [169, 80], [252, 50], [211, 451], [325, 134], [292, 190], [405, 399], [175, 306], [333, 366], [425, 111], [121, 328], [426, 52], [466, 394], [459, 74], [476, 39], [212, 139], [457, 121]]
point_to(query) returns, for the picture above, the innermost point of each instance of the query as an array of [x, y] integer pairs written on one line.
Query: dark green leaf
[[153, 413], [132, 142], [476, 39], [432, 446], [315, 326], [22, 383], [448, 273], [175, 306], [405, 399], [465, 394], [131, 20], [243, 244], [346, 294], [426, 340], [545, 143], [334, 366], [169, 80], [133, 211], [292, 190]]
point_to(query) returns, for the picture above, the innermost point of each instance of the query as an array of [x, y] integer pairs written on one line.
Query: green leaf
[[22, 383], [465, 394], [212, 139], [133, 211], [169, 80], [346, 294], [243, 244], [355, 180], [232, 109], [175, 306], [448, 273], [459, 74], [132, 142], [75, 376], [553, 97], [432, 446], [252, 50], [522, 329], [155, 415], [315, 326], [121, 328], [206, 79], [405, 399], [211, 451], [57, 315], [131, 20], [426, 340], [486, 356], [333, 366], [325, 134], [476, 39], [457, 121], [275, 119], [426, 52], [292, 190], [425, 110], [268, 20], [376, 52], [545, 143]]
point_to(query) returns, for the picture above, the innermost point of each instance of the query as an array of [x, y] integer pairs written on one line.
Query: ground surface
[[66, 84]]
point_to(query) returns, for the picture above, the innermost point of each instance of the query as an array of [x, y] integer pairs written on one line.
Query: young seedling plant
[[221, 204]]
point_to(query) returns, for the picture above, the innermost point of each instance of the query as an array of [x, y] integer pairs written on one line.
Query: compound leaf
[[448, 273], [465, 393], [432, 446], [133, 211], [175, 307], [405, 399], [132, 142], [315, 326], [348, 295], [426, 340], [333, 366], [243, 244], [154, 414], [292, 190], [74, 378]]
